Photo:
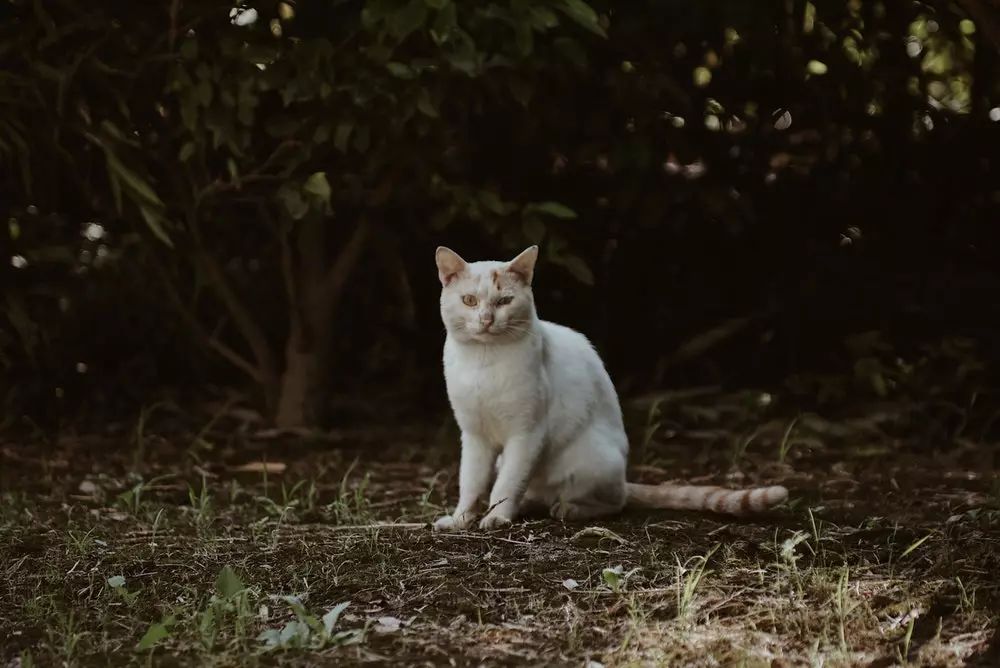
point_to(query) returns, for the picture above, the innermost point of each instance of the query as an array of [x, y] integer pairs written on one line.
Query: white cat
[[536, 406]]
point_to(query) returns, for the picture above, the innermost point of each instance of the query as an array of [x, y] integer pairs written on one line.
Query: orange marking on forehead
[[496, 278]]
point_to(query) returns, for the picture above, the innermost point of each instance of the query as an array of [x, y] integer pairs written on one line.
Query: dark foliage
[[780, 192]]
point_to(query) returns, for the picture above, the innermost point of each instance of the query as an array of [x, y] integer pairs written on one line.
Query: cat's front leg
[[516, 467], [474, 473]]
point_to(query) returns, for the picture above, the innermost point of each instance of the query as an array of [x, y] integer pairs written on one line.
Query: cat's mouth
[[491, 333]]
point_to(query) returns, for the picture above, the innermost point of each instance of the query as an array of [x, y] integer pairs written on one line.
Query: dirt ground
[[231, 546]]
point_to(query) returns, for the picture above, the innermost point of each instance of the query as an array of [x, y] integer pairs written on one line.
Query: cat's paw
[[494, 521], [453, 522], [562, 510]]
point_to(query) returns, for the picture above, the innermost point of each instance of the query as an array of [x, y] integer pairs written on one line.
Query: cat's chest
[[494, 395]]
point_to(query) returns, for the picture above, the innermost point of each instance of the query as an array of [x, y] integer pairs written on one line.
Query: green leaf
[[186, 151], [571, 50], [116, 188], [132, 180], [295, 204], [524, 38], [816, 67], [116, 581], [554, 209], [154, 634], [583, 15], [228, 583], [189, 49], [362, 138], [492, 202], [203, 92], [444, 24], [400, 70], [342, 135], [411, 17], [154, 220], [317, 185], [330, 618], [425, 105], [543, 18], [534, 229], [282, 126], [576, 267], [437, 4], [612, 577]]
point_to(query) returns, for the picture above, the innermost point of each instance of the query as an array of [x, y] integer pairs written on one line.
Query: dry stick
[[406, 526]]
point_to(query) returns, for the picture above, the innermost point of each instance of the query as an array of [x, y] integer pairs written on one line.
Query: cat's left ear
[[449, 263], [524, 264]]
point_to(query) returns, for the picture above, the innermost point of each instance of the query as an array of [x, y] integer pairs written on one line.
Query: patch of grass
[[689, 576], [351, 505], [786, 443], [215, 570]]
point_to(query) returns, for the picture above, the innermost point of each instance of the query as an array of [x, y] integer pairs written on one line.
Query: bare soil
[[888, 552]]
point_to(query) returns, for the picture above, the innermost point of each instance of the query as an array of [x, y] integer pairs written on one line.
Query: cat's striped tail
[[704, 497]]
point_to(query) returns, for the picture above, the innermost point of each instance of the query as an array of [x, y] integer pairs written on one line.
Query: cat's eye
[[469, 300], [503, 301]]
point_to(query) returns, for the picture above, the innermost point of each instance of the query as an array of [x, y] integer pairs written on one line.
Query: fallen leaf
[[387, 625], [598, 532], [261, 467], [570, 584]]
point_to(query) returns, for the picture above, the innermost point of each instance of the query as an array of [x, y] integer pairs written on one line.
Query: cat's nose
[[486, 319]]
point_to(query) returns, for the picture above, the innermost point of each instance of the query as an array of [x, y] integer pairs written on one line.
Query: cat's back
[[581, 391], [569, 356]]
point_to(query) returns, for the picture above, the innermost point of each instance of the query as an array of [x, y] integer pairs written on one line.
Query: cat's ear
[[450, 264], [524, 264]]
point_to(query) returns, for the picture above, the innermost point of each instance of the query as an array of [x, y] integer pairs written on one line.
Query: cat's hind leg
[[587, 479], [596, 503]]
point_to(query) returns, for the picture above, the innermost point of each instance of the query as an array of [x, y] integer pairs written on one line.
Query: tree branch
[[193, 323], [235, 359], [175, 6], [255, 176], [336, 277], [248, 328]]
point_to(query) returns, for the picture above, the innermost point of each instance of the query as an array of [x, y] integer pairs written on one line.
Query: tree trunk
[[314, 291], [299, 382]]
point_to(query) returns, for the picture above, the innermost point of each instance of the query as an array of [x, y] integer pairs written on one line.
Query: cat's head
[[488, 301]]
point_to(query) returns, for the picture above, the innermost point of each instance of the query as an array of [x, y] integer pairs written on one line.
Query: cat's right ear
[[449, 263]]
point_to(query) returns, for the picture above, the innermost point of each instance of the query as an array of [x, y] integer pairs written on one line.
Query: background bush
[[781, 192]]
